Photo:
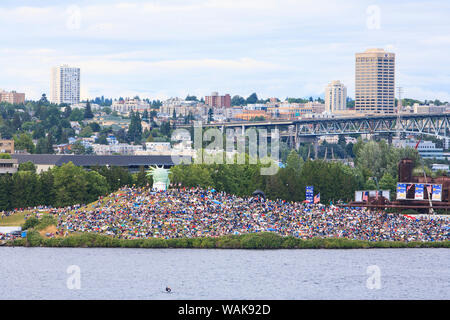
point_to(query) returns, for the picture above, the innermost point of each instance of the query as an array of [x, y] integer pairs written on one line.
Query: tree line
[[375, 168], [63, 186]]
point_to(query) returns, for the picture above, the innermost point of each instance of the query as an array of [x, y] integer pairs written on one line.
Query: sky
[[166, 48]]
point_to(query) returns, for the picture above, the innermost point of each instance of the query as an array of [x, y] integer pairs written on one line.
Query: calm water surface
[[41, 273]]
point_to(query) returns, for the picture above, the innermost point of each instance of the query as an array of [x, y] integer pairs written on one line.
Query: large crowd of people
[[136, 213]]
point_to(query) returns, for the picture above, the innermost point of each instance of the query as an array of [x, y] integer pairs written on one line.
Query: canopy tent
[[259, 193]]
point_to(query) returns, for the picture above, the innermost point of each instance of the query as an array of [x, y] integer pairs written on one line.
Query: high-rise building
[[65, 85], [335, 97], [375, 82], [214, 100], [12, 97]]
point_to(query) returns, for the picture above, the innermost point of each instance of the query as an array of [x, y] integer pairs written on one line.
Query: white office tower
[[335, 97], [65, 85]]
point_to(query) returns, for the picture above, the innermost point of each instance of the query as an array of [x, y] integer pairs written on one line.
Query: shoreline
[[247, 241]]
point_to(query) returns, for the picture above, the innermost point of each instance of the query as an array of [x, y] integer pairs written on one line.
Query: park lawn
[[15, 220]]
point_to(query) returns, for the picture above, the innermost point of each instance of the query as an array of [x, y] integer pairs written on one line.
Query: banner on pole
[[401, 191], [309, 194], [419, 192], [437, 192]]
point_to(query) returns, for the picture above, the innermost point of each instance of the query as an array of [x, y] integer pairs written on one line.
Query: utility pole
[[399, 109]]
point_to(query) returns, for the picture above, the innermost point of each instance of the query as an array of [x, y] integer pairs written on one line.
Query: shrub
[[30, 223], [34, 239], [46, 221]]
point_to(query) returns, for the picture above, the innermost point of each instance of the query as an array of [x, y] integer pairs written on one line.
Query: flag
[[317, 198], [365, 196]]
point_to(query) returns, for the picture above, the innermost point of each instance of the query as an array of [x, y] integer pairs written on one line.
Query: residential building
[[157, 146], [82, 105], [428, 109], [292, 111], [44, 162], [335, 97], [65, 85], [182, 108], [7, 146], [248, 115], [426, 149], [127, 105], [375, 82], [216, 101], [12, 97], [118, 148], [8, 166], [440, 167]]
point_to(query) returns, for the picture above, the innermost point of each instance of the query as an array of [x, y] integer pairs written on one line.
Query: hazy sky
[[166, 48]]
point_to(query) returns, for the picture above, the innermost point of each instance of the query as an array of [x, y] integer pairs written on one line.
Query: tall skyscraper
[[65, 85], [375, 82], [335, 97]]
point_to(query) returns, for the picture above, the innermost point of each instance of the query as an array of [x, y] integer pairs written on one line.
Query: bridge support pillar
[[312, 140]]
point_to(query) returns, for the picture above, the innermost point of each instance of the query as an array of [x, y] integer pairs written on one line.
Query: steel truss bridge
[[436, 125], [431, 124]]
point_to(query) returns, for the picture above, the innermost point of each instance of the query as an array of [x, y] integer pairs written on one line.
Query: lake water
[[41, 273]]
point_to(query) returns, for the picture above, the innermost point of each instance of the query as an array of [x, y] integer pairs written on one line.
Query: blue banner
[[419, 192], [309, 194], [401, 191], [437, 192]]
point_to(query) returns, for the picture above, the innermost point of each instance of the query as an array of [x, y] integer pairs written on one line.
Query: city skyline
[[160, 49]]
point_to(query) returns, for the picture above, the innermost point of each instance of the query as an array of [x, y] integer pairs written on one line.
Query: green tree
[[210, 115], [76, 115], [23, 141], [135, 128], [88, 114], [50, 143], [237, 101], [141, 179], [5, 191], [78, 148], [25, 189], [74, 185], [27, 166], [253, 98], [294, 161], [47, 190], [388, 182], [86, 132]]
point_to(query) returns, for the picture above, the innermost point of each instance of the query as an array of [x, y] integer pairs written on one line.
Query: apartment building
[[128, 105], [7, 146], [12, 97], [375, 82], [65, 85], [216, 101], [335, 97]]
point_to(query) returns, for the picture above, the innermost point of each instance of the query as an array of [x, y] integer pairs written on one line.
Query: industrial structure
[[421, 193]]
